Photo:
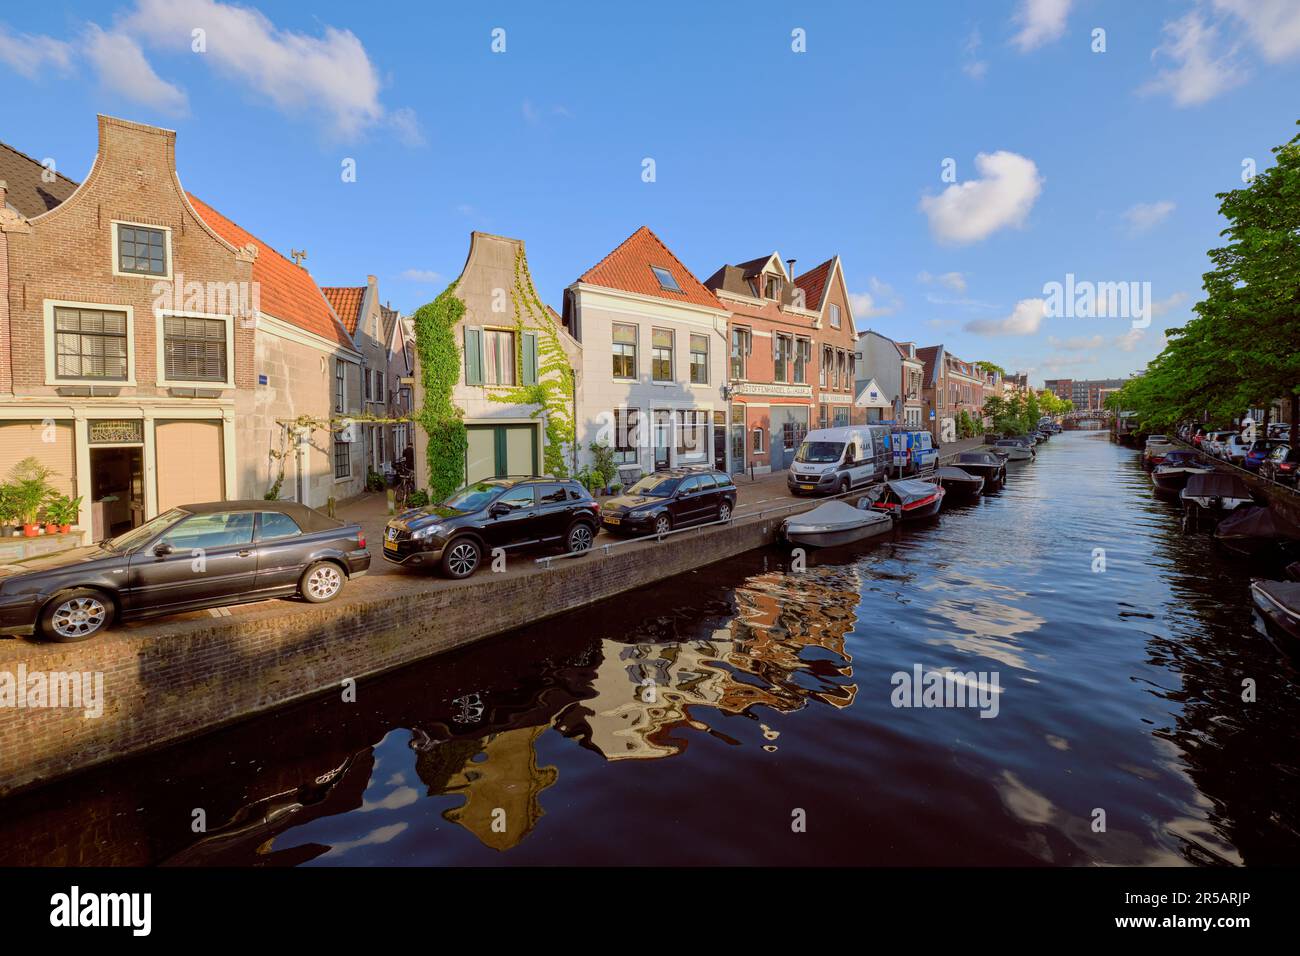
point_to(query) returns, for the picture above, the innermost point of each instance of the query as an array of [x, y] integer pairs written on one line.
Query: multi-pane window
[[773, 288], [624, 351], [342, 458], [90, 343], [802, 356], [194, 350], [691, 427], [661, 355], [758, 441], [835, 316], [498, 357], [740, 348], [666, 280], [699, 359], [627, 428], [141, 251], [826, 364], [381, 386], [842, 370], [340, 385], [365, 380], [780, 358]]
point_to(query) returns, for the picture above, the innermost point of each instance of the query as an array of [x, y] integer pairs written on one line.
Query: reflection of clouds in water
[[401, 797], [374, 838], [990, 626]]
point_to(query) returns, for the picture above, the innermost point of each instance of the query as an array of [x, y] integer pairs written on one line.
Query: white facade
[[671, 419]]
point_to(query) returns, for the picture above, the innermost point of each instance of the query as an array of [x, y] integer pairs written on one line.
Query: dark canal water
[[1120, 691]]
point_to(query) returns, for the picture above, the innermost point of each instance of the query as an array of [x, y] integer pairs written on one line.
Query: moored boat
[[1258, 531], [905, 500], [1279, 603], [991, 467], [833, 523], [960, 483], [1178, 466], [1207, 498], [1015, 450]]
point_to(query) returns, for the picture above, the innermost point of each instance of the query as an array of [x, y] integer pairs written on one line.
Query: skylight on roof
[[666, 280]]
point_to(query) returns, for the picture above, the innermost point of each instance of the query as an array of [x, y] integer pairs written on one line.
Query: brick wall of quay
[[205, 675]]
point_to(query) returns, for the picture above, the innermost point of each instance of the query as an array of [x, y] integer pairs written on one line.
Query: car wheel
[[580, 537], [663, 524], [321, 582], [724, 511], [461, 559], [844, 486], [76, 616]]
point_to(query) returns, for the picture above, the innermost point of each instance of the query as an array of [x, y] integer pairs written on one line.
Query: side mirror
[[162, 549], [497, 510]]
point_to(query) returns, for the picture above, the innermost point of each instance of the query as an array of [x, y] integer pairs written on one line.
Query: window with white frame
[[627, 428], [498, 357], [691, 428], [661, 355], [194, 349], [741, 344], [624, 346], [835, 316], [340, 387], [90, 344], [699, 359]]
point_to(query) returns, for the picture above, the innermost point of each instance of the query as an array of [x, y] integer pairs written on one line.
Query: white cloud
[[972, 65], [422, 275], [1147, 215], [1059, 363], [1129, 340], [30, 55], [1040, 22], [1078, 343], [1162, 306], [955, 281], [973, 210], [1199, 72], [1273, 25], [866, 305], [123, 69], [296, 72], [1024, 319]]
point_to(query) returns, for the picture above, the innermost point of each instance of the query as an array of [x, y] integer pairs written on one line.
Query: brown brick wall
[[207, 674], [68, 255]]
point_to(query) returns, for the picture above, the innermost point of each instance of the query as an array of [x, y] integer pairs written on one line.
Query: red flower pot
[[51, 528], [65, 528], [30, 530]]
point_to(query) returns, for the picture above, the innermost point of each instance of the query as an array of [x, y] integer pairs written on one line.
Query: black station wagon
[[670, 499], [185, 559], [507, 513]]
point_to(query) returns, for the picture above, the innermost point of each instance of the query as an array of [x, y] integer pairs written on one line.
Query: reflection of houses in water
[[498, 777], [645, 690]]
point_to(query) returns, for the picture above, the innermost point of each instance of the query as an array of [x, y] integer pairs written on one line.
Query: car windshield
[[820, 452], [137, 536], [655, 486], [1263, 446], [474, 497]]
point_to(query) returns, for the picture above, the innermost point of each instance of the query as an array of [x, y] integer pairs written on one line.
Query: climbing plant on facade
[[439, 363], [552, 392]]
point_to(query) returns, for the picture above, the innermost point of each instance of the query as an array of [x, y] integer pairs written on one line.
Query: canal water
[[746, 714]]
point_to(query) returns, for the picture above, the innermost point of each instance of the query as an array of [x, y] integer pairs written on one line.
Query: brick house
[[771, 365], [653, 358], [137, 323], [950, 386], [835, 338]]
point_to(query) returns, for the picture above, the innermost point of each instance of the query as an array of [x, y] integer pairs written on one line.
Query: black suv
[[506, 513], [669, 499]]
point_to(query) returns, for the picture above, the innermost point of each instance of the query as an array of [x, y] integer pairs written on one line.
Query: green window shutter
[[473, 356], [530, 358]]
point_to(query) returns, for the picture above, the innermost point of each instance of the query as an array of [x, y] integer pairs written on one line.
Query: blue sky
[[1099, 164]]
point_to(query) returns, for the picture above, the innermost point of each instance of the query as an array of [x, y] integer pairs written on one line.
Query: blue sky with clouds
[[1103, 165]]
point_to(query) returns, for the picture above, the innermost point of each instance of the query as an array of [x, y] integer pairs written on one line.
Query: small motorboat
[[960, 483], [833, 523], [1171, 476], [991, 467], [1279, 603], [1258, 531], [1015, 449], [1207, 498], [904, 500]]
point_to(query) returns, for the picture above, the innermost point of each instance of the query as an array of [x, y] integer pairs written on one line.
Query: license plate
[[390, 545], [610, 519], [807, 487]]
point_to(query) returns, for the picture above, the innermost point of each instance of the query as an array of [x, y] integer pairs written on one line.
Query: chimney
[[790, 266], [371, 281]]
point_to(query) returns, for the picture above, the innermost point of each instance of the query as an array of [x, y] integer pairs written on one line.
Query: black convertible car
[[192, 557]]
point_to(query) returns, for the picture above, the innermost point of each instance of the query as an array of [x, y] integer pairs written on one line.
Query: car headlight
[[427, 531]]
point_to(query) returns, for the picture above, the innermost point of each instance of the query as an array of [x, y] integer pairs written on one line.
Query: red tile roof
[[627, 269], [285, 290], [346, 301], [813, 282]]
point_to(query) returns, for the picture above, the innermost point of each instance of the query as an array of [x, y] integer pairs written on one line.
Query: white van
[[836, 460]]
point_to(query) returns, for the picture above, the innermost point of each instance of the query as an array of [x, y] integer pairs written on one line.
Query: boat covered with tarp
[[1207, 498], [992, 468], [833, 523], [1279, 603], [1258, 531], [958, 482], [1179, 465], [905, 499]]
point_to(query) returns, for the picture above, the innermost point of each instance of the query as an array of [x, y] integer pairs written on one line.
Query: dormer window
[[666, 280], [141, 250], [772, 290]]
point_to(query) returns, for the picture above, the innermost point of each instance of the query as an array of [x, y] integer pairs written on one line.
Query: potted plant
[[9, 515], [29, 478], [62, 512]]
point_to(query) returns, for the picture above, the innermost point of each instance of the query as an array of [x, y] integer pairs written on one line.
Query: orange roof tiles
[[346, 301], [627, 269], [285, 290], [813, 282]]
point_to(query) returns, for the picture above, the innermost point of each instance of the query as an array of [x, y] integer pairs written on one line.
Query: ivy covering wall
[[439, 362], [553, 392]]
